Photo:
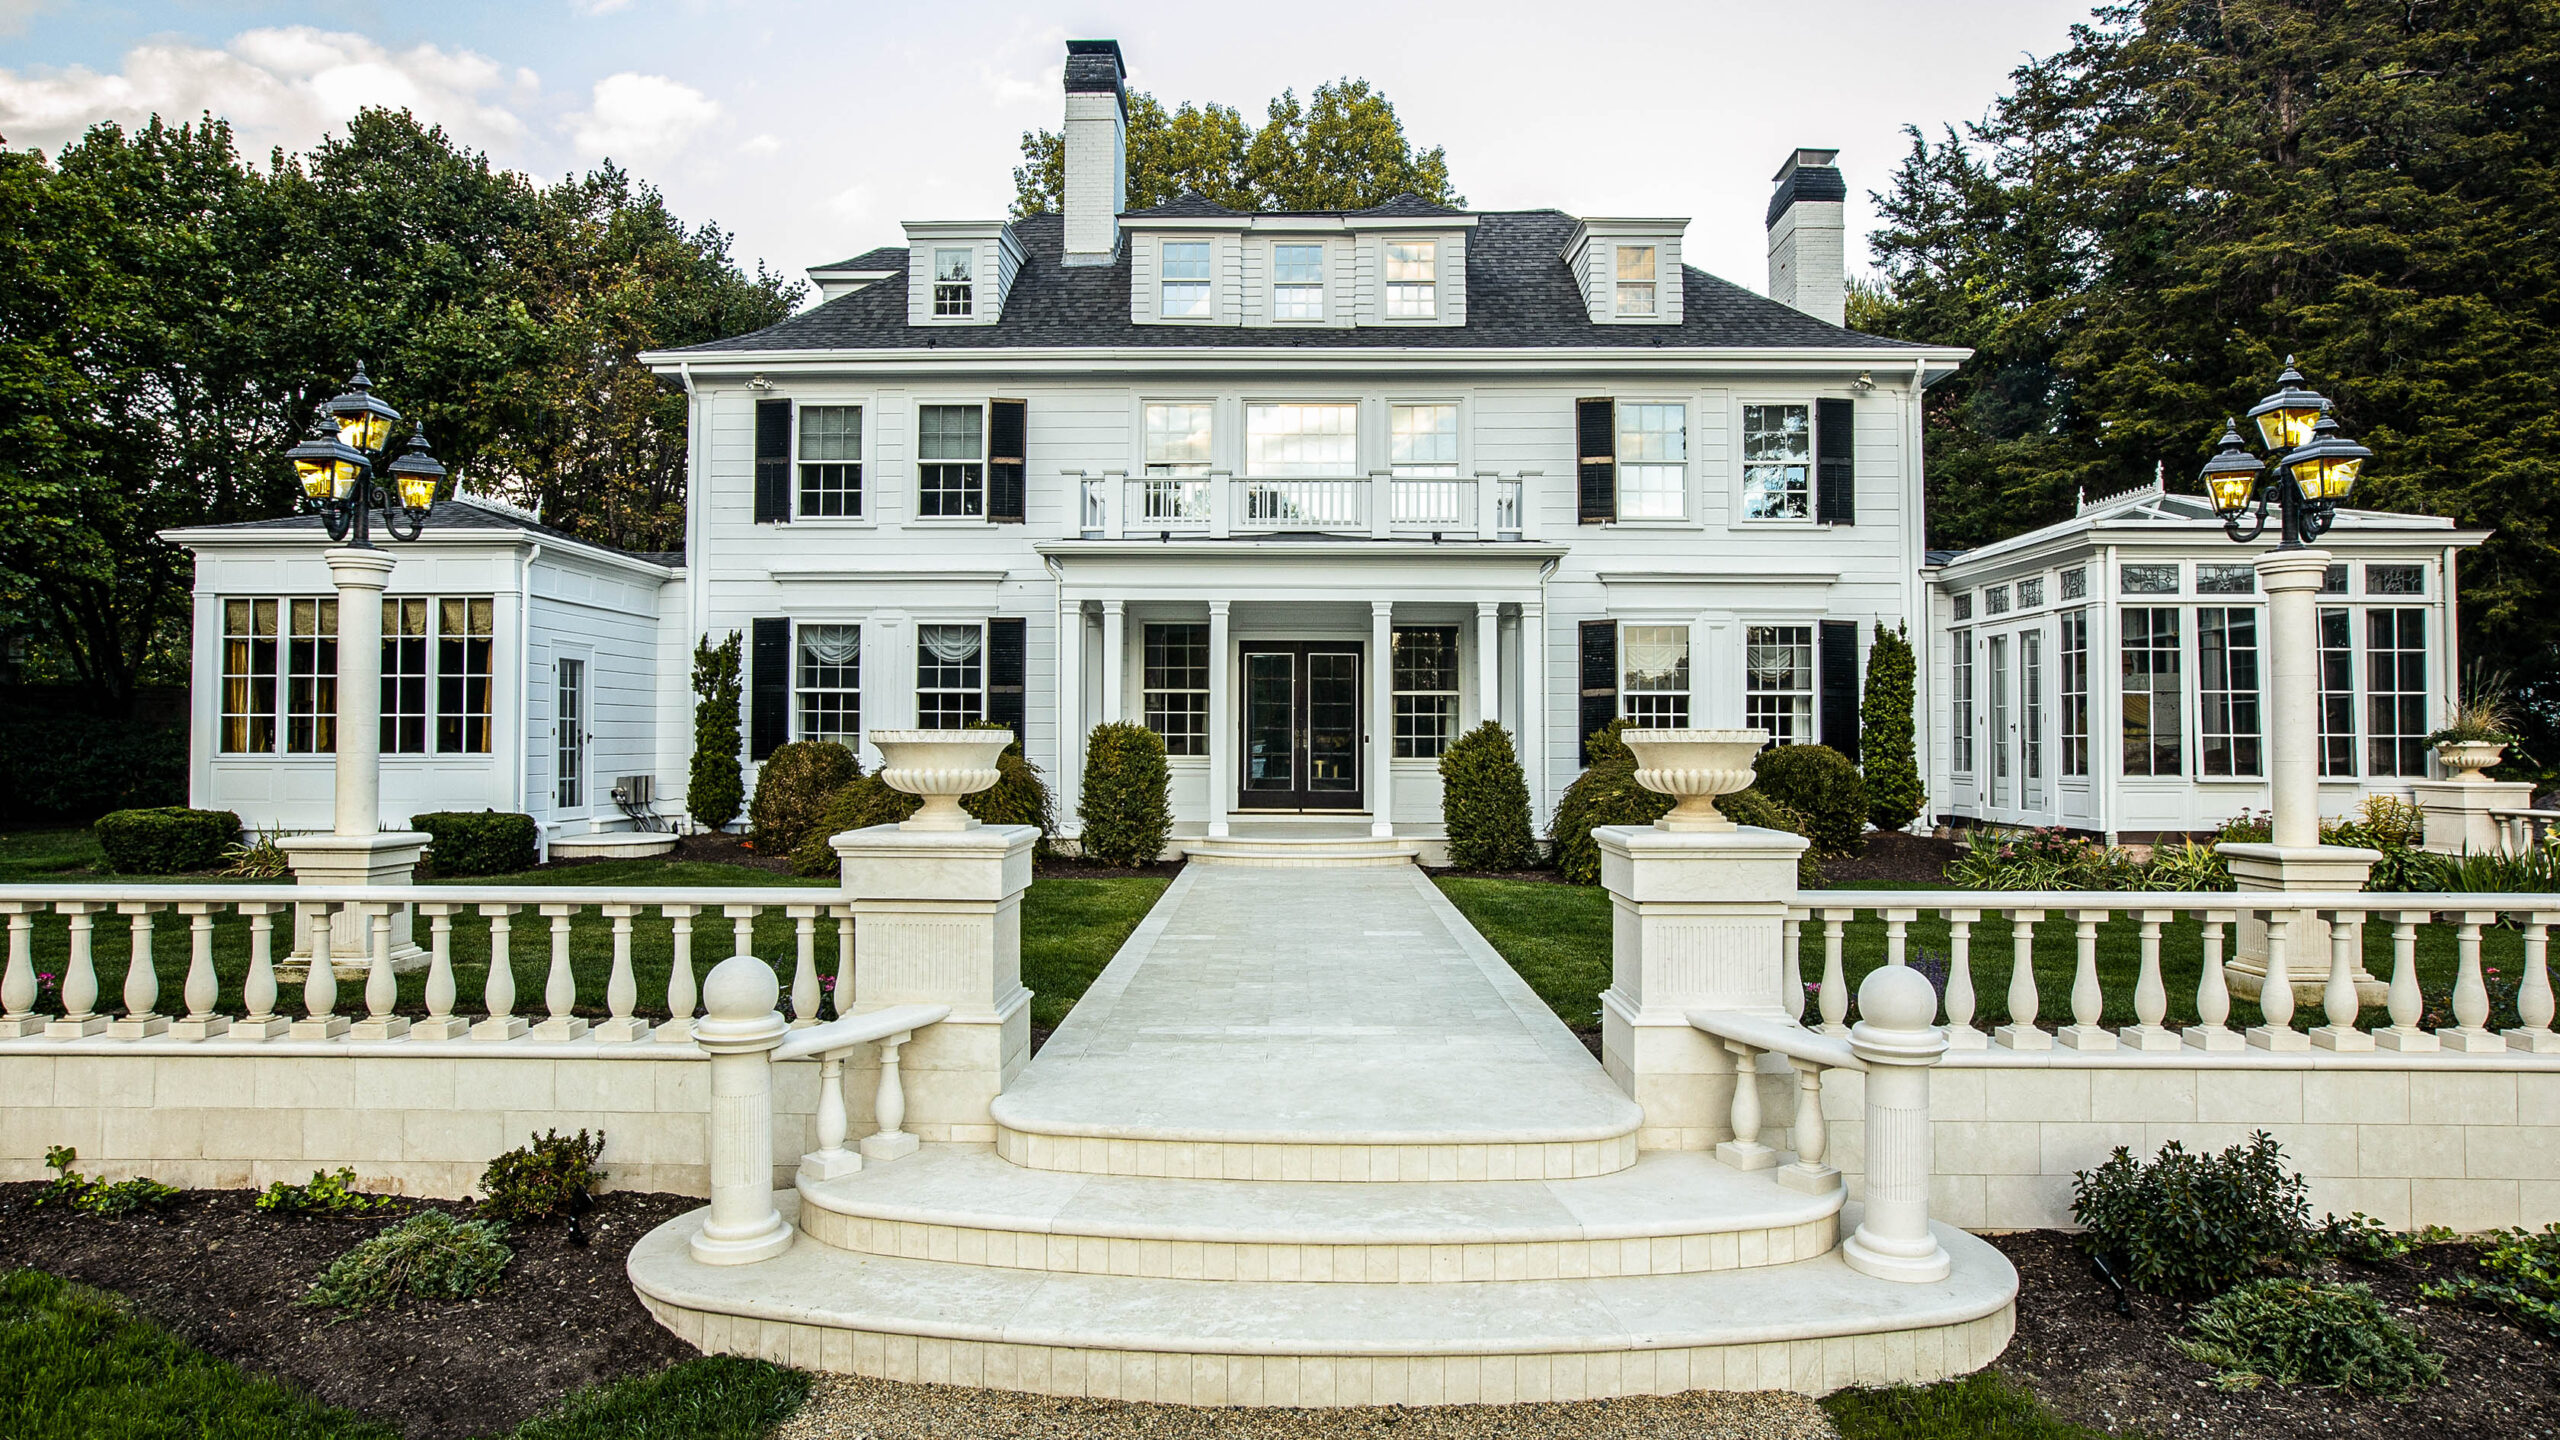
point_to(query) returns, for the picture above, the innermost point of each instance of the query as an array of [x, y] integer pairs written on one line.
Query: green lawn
[[1981, 1406], [83, 1366]]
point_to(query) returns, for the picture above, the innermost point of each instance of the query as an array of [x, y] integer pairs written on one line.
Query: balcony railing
[[1304, 505], [1484, 506]]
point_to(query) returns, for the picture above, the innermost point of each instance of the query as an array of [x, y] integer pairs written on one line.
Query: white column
[[1222, 722], [1115, 659], [1488, 661], [1533, 706], [2291, 579], [1382, 719], [1894, 1036], [1070, 773], [740, 1031], [361, 575]]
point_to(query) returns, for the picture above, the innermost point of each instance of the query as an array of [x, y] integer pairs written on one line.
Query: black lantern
[[341, 468], [2311, 473]]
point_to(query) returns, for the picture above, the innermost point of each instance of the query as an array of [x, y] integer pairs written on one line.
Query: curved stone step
[[1276, 851], [1813, 1326], [1673, 1212]]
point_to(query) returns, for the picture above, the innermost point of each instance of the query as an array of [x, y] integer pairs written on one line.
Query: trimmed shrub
[[1127, 803], [1020, 796], [715, 787], [2196, 1224], [485, 842], [865, 802], [1484, 802], [2296, 1332], [327, 1194], [1820, 784], [792, 790], [553, 1178], [429, 1256], [168, 841], [1891, 766], [1606, 793], [2524, 1283]]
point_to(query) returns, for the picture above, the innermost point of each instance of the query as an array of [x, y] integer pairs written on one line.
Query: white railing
[[831, 1043], [1302, 504], [1094, 506], [2522, 831], [1432, 503], [1162, 502], [1506, 508]]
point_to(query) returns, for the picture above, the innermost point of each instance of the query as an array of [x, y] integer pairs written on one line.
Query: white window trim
[[915, 663], [1439, 279], [1812, 692], [869, 519], [1211, 244], [933, 284], [916, 462], [1689, 642], [862, 672], [1692, 514], [1323, 288], [1366, 434], [1740, 464], [1657, 247]]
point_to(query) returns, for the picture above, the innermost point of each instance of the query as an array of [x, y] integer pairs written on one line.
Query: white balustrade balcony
[[1303, 504]]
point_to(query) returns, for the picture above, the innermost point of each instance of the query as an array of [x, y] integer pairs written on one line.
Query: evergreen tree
[[1885, 751], [716, 786]]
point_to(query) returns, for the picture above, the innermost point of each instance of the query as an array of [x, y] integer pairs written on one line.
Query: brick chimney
[[1097, 151], [1808, 224]]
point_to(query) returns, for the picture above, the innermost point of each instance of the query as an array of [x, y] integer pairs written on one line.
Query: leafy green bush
[[2298, 1332], [168, 841], [99, 1197], [484, 842], [1606, 793], [2385, 823], [1019, 797], [1127, 801], [1892, 769], [1819, 783], [1484, 802], [2364, 1240], [792, 790], [553, 1178], [327, 1194], [715, 787], [866, 802], [2054, 858], [91, 765], [2536, 870], [2524, 1283], [429, 1256], [2195, 1224], [256, 857]]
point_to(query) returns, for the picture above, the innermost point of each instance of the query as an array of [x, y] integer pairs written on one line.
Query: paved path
[[1349, 1005]]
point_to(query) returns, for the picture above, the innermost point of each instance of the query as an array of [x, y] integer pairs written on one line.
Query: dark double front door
[[1302, 739]]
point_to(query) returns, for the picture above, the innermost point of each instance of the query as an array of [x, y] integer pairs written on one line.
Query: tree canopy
[[1343, 149]]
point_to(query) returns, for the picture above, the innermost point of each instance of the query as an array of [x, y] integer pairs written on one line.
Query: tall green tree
[[1342, 149]]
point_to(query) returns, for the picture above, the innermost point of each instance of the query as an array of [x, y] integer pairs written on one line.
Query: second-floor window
[[1423, 440], [955, 287], [951, 471], [831, 461], [1177, 462], [1413, 279], [1653, 461], [1777, 462], [1297, 282], [1302, 440], [1185, 281], [1635, 280]]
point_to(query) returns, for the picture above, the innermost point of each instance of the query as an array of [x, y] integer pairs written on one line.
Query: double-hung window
[[251, 659], [1422, 452], [1425, 673], [1413, 271], [1175, 687], [466, 630], [1777, 682], [2228, 727], [950, 676], [955, 286], [1653, 692], [1635, 280], [1184, 283], [831, 461], [1960, 703], [1177, 462], [2075, 692], [1653, 461], [827, 681], [311, 677], [2338, 689], [1297, 282], [2395, 688], [2152, 733], [1777, 462], [951, 453]]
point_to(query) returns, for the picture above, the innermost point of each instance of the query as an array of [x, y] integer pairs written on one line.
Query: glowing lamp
[[2326, 467], [2231, 476], [2285, 419], [363, 421], [417, 473], [327, 467]]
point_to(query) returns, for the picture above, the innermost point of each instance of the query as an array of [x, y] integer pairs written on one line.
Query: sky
[[810, 131]]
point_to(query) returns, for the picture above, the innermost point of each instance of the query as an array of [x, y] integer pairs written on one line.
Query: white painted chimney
[[1097, 151], [1808, 231]]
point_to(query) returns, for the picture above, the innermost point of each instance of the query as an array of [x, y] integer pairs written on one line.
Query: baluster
[[1812, 1172], [804, 972], [1835, 975], [681, 990], [621, 991], [1961, 1034], [890, 1106], [2150, 996], [1744, 1151], [503, 1023], [2021, 1032], [2407, 1006], [739, 1034], [18, 983], [321, 1020], [1897, 936], [258, 991], [560, 986], [2470, 1031], [441, 1023], [844, 959], [742, 922], [2211, 1032], [830, 1161], [381, 987], [1793, 946], [2338, 1001], [2533, 994], [2275, 992], [202, 988], [80, 1015], [2088, 998], [141, 978]]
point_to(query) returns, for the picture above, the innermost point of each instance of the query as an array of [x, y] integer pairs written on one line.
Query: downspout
[[695, 529], [524, 691]]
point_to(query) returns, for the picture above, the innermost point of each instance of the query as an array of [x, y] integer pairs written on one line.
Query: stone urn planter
[[941, 766], [1694, 767], [2463, 760]]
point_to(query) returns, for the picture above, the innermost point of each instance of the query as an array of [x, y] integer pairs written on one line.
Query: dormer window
[[1297, 282], [955, 286], [1413, 269], [1186, 280], [1635, 280]]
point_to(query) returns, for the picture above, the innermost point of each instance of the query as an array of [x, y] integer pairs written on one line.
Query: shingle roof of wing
[[464, 515], [1519, 294], [887, 257]]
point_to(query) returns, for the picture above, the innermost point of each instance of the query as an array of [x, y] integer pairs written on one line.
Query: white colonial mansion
[[1310, 494]]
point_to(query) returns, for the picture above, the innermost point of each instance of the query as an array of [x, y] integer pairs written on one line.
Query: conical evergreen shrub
[[1484, 802]]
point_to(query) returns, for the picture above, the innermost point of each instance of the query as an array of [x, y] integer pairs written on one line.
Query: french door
[[1302, 740], [569, 735], [1998, 655]]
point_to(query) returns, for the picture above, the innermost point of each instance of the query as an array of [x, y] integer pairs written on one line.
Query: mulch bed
[[1894, 858], [2121, 1374], [227, 1277], [1066, 868]]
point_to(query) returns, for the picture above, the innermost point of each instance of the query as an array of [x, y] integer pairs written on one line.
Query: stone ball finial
[[1897, 997], [741, 988]]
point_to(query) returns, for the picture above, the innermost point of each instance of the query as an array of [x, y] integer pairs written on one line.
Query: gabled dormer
[[1194, 262], [1629, 269], [959, 271]]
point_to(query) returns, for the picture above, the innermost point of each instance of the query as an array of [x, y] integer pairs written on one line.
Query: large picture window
[[2075, 692], [1425, 675], [1175, 687], [1777, 462], [827, 680], [2149, 698], [950, 676], [1281, 441], [2228, 726], [1960, 704], [1653, 461], [2338, 689], [280, 675], [1777, 682], [2395, 687], [1653, 689], [951, 451], [831, 461]]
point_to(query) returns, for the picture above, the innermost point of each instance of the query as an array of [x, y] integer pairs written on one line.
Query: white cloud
[[14, 14], [760, 145], [641, 117]]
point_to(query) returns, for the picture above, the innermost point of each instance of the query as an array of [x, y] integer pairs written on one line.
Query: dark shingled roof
[[1519, 294], [463, 515], [887, 257]]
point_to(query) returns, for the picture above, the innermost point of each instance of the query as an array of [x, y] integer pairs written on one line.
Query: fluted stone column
[[1895, 1037], [740, 1029]]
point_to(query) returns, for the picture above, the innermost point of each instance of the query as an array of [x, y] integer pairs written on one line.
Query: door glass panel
[[1999, 656], [1270, 739], [2031, 714], [1333, 722], [571, 715]]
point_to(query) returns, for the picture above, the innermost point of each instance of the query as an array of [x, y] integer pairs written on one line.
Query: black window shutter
[[1004, 673], [1005, 439], [1835, 462], [1839, 680], [773, 462], [769, 688], [1595, 425], [1599, 680]]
